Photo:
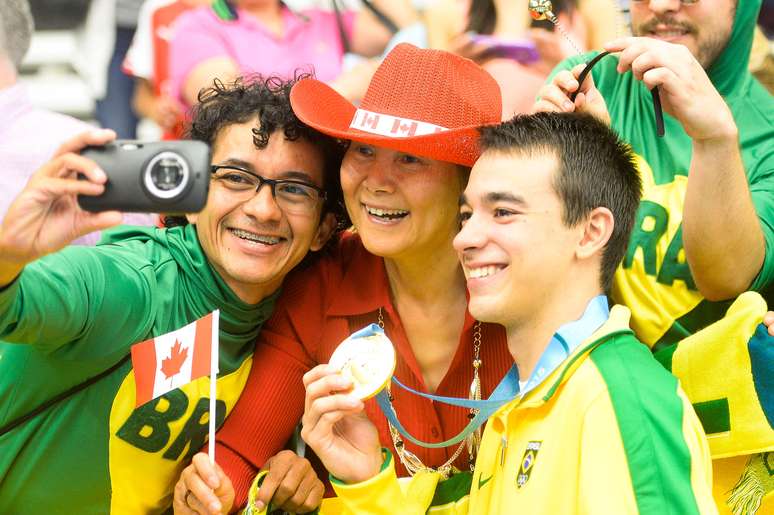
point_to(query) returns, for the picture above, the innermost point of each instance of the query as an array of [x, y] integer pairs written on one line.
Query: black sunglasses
[[657, 110]]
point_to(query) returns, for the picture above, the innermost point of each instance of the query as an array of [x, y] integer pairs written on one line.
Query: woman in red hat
[[411, 143]]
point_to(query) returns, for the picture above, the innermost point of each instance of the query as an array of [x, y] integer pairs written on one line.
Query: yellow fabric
[[701, 471], [580, 449], [655, 305], [151, 477], [421, 486], [252, 495], [702, 363], [726, 473], [383, 494]]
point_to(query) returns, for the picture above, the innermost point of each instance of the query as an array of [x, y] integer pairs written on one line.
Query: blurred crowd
[[164, 51]]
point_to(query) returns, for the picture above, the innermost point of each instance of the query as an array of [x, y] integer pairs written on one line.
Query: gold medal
[[368, 360]]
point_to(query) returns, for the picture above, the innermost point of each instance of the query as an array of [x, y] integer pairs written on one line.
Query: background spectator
[[114, 110], [588, 22], [267, 37], [148, 62], [28, 135]]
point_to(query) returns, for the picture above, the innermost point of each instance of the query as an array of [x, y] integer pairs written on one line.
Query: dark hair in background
[[268, 99], [596, 169], [482, 14]]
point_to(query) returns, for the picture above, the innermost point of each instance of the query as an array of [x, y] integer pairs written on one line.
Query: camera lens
[[166, 175]]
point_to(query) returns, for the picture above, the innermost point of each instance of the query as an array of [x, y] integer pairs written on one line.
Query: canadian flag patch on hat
[[392, 126], [174, 359]]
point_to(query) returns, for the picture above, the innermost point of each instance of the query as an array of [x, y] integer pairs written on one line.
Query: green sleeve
[[762, 194], [75, 295]]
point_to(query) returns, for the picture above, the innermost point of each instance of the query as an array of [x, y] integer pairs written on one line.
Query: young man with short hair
[[596, 424]]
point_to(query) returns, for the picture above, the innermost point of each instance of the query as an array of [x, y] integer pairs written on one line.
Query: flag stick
[[213, 381]]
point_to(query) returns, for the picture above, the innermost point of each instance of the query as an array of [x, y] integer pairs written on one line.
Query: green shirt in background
[[654, 280]]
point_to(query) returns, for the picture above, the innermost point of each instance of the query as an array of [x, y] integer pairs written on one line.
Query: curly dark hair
[[268, 99]]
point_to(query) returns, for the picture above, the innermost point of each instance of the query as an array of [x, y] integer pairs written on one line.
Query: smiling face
[[513, 245], [703, 27], [251, 242], [401, 205]]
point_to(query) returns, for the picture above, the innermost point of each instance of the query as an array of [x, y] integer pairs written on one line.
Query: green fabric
[[714, 415], [631, 111], [664, 355], [385, 465], [453, 489], [692, 322], [79, 311], [650, 418]]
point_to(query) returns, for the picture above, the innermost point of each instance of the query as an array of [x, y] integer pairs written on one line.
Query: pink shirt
[[311, 42], [29, 136]]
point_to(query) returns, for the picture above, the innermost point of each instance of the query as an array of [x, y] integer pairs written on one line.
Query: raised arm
[[722, 235], [347, 443], [45, 217], [197, 56]]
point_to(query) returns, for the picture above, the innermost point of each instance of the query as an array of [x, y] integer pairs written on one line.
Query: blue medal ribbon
[[566, 339]]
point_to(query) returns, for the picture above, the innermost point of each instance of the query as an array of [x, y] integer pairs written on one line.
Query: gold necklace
[[410, 460]]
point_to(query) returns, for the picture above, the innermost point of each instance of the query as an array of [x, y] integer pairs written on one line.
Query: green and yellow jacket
[[609, 431]]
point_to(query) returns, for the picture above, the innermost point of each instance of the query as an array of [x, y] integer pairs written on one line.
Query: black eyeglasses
[[292, 196]]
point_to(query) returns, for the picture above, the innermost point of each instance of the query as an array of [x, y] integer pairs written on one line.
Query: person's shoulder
[[139, 247], [754, 116], [329, 266], [53, 126], [318, 15], [626, 357], [198, 17], [632, 381]]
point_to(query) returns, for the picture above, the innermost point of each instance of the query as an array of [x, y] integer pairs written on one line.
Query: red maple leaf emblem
[[171, 366]]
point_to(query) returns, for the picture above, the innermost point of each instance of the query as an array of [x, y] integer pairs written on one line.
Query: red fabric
[[162, 21], [319, 308], [430, 86]]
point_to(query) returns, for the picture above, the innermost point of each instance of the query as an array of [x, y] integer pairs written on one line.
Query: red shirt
[[319, 308], [162, 21]]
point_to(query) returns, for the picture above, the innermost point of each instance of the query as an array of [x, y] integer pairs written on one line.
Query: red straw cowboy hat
[[423, 102]]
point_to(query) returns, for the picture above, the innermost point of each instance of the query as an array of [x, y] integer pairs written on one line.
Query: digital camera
[[156, 177]]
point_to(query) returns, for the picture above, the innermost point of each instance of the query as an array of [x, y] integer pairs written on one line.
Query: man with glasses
[[705, 228], [68, 317]]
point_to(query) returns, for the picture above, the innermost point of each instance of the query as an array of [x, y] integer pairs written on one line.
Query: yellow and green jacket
[[609, 431]]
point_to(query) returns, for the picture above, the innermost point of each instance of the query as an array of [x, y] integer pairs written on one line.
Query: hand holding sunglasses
[[686, 91]]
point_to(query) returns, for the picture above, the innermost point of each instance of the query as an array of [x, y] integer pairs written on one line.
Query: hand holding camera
[[75, 194], [45, 216], [158, 177]]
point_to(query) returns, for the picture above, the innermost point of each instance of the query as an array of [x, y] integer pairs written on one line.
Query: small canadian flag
[[174, 359]]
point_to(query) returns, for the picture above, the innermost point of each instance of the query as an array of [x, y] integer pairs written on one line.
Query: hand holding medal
[[334, 424]]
